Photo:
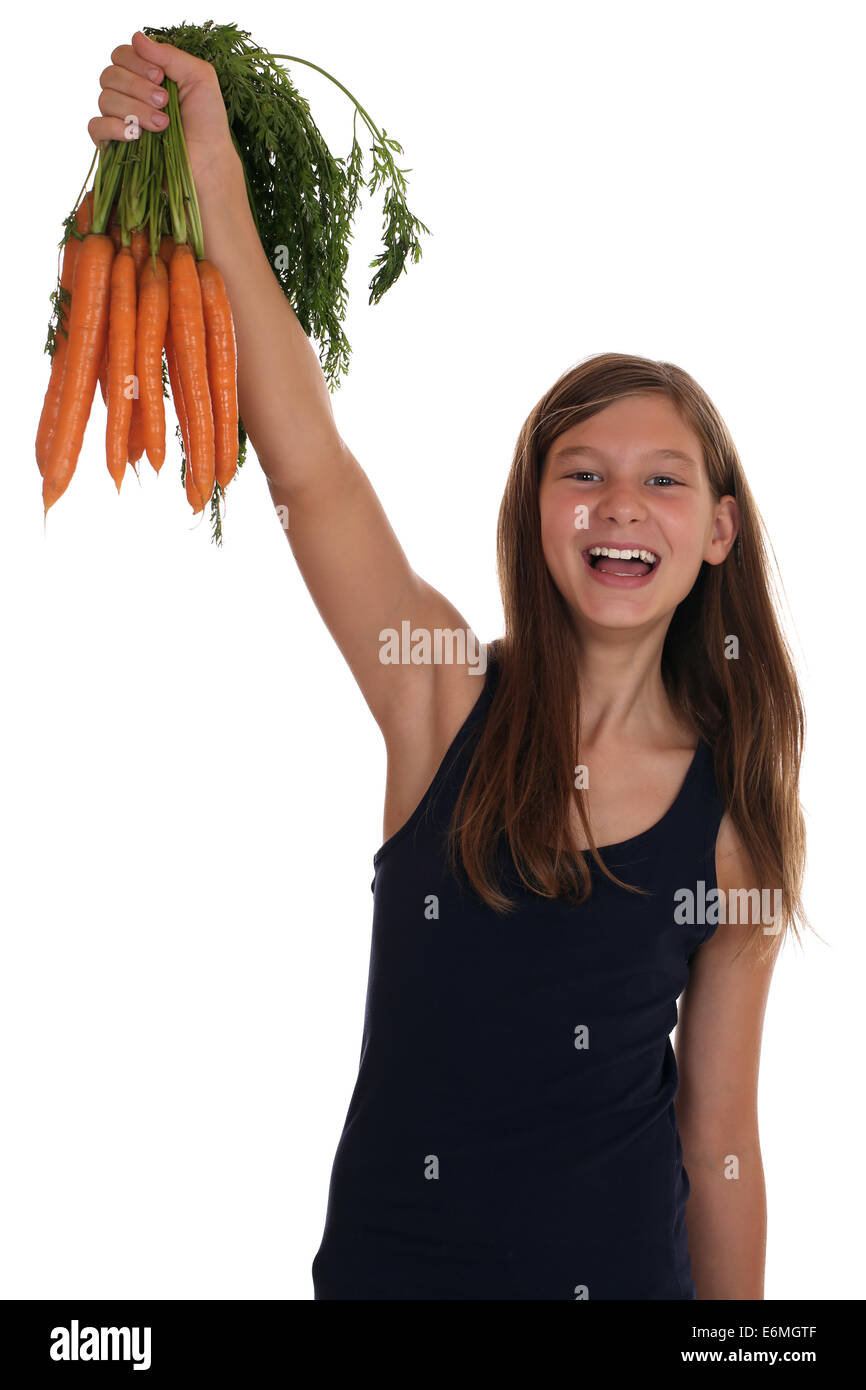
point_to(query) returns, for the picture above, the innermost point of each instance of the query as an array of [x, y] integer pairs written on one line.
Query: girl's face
[[625, 490]]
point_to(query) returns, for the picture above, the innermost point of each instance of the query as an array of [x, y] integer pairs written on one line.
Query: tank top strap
[[451, 769], [693, 824], [453, 766]]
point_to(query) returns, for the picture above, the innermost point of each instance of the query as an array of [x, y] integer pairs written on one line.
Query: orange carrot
[[188, 334], [192, 495], [166, 251], [104, 374], [149, 339], [88, 325], [221, 370], [139, 245], [135, 438], [48, 417], [121, 362], [115, 234]]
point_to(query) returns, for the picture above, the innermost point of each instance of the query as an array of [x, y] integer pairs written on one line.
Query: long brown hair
[[520, 781]]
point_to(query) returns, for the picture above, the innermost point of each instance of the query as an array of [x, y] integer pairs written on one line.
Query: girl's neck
[[623, 701]]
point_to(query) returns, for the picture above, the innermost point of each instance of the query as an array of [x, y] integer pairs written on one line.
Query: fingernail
[[153, 74], [159, 96], [160, 118]]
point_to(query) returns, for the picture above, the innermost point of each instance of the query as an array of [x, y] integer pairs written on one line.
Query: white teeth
[[648, 556]]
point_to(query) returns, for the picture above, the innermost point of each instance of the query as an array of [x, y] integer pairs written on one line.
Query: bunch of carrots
[[134, 285]]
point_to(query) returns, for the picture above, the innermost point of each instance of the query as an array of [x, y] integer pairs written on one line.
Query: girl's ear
[[726, 525]]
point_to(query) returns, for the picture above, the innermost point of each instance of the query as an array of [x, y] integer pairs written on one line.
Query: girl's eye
[[663, 476]]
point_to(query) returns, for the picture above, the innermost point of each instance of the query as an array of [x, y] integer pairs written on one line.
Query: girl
[[604, 823]]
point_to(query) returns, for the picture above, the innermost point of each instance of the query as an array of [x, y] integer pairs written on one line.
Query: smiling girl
[[564, 839]]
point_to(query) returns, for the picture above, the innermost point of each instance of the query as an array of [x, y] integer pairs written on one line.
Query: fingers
[[149, 66], [179, 66], [118, 100], [128, 89], [125, 94]]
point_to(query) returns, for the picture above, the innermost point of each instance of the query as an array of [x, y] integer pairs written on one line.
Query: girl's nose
[[621, 502]]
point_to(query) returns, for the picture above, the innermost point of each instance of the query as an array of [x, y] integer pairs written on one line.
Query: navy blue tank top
[[511, 1133]]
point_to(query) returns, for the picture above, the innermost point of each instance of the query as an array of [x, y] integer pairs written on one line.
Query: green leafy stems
[[401, 227], [182, 201], [302, 198]]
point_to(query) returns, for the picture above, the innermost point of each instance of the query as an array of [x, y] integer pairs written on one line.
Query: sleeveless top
[[512, 1133]]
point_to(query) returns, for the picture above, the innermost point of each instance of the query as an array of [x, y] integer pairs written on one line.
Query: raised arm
[[350, 558], [345, 548]]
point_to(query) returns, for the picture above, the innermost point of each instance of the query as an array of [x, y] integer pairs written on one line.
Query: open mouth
[[635, 563], [620, 569]]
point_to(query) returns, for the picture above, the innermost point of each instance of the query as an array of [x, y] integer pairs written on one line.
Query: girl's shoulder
[[460, 693]]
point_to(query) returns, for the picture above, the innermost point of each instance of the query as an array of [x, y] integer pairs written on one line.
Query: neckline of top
[[701, 750], [478, 707], [652, 830]]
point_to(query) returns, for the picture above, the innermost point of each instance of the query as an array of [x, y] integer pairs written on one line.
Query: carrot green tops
[[511, 1134]]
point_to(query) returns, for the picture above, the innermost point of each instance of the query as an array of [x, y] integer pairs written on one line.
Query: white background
[[192, 782]]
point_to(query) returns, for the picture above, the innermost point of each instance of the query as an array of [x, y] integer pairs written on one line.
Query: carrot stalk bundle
[[144, 188], [136, 285]]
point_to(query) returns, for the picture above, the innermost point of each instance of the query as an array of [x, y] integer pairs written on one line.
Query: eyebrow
[[576, 449]]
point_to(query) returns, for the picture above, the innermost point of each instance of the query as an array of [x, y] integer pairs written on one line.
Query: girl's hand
[[129, 87]]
